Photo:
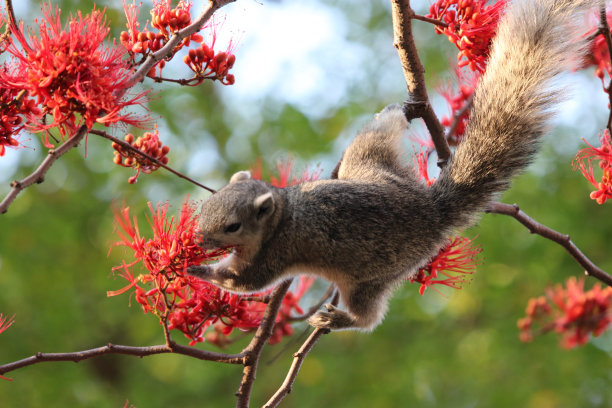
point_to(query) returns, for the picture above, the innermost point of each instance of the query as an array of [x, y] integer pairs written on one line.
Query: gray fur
[[375, 225]]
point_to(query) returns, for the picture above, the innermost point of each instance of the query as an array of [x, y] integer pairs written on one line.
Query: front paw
[[333, 319], [201, 271]]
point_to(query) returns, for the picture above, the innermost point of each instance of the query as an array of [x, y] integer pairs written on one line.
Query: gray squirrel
[[377, 223]]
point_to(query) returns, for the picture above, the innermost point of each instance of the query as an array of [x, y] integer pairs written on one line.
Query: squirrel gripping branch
[[376, 224]]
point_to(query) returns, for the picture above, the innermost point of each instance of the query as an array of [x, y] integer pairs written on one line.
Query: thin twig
[[185, 82], [298, 359], [535, 227], [430, 20], [417, 104], [315, 307], [120, 349], [126, 145], [252, 352], [38, 175], [457, 119]]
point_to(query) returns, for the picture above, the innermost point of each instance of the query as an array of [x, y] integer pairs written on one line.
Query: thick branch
[[298, 359], [8, 5], [564, 240], [119, 349], [252, 352], [38, 175], [418, 104], [152, 159]]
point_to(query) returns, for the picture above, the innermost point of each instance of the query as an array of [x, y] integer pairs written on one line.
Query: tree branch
[[148, 157], [10, 13], [417, 104], [38, 175], [458, 115], [120, 349], [252, 352], [535, 227], [298, 359]]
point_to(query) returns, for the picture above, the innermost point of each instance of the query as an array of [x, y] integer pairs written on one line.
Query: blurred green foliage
[[461, 350]]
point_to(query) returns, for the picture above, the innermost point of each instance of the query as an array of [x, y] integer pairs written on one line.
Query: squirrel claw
[[333, 319]]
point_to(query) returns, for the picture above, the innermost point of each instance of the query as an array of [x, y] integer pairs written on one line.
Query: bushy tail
[[535, 42]]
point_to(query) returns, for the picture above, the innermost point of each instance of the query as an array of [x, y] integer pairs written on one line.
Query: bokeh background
[[308, 75]]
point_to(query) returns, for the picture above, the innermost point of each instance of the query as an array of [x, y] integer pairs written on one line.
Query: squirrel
[[376, 224]]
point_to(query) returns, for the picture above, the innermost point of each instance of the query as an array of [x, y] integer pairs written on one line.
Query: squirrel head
[[238, 215]]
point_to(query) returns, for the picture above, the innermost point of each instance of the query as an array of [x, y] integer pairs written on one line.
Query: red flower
[[421, 167], [604, 155], [571, 312], [471, 27], [166, 20], [148, 143], [13, 105], [458, 256], [73, 77], [181, 301]]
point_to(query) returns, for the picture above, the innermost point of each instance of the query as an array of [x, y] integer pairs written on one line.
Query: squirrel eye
[[232, 227]]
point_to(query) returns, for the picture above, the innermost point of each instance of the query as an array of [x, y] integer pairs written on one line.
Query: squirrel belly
[[376, 224]]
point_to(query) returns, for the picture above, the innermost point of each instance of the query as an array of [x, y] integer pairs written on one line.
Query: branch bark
[[417, 104], [121, 349], [298, 359], [252, 352], [565, 241]]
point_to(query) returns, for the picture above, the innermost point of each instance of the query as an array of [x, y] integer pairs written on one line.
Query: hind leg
[[366, 303]]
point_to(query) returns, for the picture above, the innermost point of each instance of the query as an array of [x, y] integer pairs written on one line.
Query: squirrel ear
[[264, 205], [241, 175]]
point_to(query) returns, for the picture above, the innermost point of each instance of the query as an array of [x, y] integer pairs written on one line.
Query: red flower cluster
[[148, 143], [74, 78], [470, 25], [207, 65], [167, 20], [457, 102], [571, 312], [604, 155], [458, 256]]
